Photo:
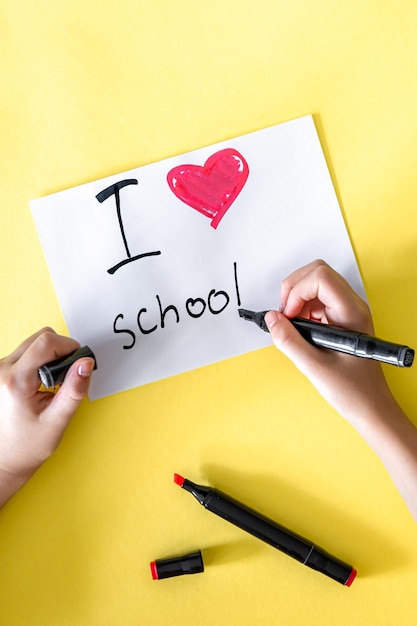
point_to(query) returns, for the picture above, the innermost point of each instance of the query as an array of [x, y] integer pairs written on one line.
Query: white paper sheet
[[153, 284]]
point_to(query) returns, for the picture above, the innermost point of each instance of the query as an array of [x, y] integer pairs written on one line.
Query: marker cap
[[177, 566], [53, 373], [340, 571]]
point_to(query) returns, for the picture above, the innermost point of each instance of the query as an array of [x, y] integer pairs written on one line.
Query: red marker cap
[[177, 566], [351, 578]]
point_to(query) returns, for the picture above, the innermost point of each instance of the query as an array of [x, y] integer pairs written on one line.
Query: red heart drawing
[[213, 188]]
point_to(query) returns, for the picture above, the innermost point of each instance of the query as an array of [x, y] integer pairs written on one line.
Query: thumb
[[72, 391], [289, 341]]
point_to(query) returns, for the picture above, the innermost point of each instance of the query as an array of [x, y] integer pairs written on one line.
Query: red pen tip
[[351, 578], [179, 480], [154, 571]]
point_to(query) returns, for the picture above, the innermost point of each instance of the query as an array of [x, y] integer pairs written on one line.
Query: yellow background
[[90, 89]]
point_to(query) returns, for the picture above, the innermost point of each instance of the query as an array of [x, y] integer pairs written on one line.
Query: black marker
[[53, 373], [272, 533], [342, 340]]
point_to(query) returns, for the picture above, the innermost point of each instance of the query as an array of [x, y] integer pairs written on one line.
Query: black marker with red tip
[[269, 531]]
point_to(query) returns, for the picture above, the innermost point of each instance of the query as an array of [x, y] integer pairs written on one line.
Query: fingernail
[[280, 308], [85, 368], [271, 319]]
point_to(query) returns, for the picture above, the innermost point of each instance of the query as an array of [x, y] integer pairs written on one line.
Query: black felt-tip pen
[[342, 340], [272, 533]]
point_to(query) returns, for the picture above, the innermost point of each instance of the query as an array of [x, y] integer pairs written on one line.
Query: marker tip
[[179, 480]]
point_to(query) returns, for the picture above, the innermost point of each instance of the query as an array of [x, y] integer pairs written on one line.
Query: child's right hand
[[352, 385]]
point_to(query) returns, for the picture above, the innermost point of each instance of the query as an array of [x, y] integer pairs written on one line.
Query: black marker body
[[270, 532], [357, 344], [342, 340]]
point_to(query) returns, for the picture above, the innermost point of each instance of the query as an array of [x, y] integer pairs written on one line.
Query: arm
[[32, 422], [355, 387]]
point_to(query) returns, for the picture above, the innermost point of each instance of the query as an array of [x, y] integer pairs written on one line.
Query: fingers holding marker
[[306, 288], [45, 358], [54, 372], [297, 290], [73, 372], [42, 347], [317, 291], [71, 393], [290, 342], [25, 345]]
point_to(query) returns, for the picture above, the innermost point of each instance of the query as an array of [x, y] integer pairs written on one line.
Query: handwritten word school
[[214, 302]]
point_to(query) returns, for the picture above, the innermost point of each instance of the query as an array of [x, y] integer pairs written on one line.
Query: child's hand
[[32, 422], [352, 385]]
